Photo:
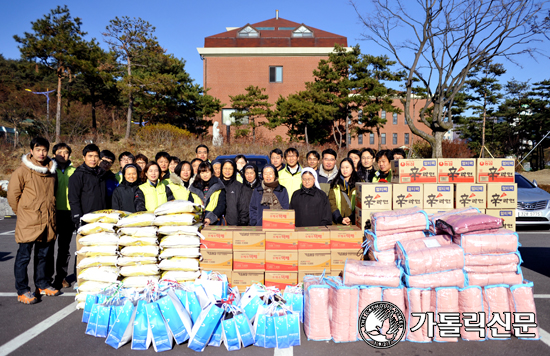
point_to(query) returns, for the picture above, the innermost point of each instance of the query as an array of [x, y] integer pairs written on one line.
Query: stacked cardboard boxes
[[345, 243], [371, 198], [313, 249]]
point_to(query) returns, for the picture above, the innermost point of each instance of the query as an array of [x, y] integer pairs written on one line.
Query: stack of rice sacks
[[97, 247], [179, 223]]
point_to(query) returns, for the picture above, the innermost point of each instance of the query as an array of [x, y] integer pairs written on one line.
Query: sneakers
[[49, 292], [27, 298]]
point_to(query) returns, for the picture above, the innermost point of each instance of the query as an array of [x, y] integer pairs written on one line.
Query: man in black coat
[[87, 187], [311, 204]]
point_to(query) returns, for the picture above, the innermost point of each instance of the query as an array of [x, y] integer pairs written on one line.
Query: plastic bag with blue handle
[[216, 338], [91, 299], [92, 321], [176, 316], [103, 317], [251, 300], [281, 331], [230, 336], [204, 327], [259, 330], [162, 337], [270, 333], [293, 322], [115, 310], [121, 332], [141, 333], [244, 327]]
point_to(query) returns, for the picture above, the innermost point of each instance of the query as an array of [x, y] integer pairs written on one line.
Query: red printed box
[[286, 261], [313, 238]]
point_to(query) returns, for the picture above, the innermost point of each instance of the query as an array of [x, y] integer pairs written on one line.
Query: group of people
[[49, 196]]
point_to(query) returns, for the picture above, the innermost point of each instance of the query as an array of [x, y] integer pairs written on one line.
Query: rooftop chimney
[[276, 14]]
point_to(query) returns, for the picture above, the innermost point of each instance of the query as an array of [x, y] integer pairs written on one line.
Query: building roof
[[275, 32]]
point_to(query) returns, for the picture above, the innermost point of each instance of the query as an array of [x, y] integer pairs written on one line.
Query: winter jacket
[[31, 195], [177, 186], [150, 196], [124, 194], [87, 191], [62, 194], [326, 177], [365, 175], [236, 209], [213, 199], [111, 184], [311, 207], [292, 182], [256, 209], [339, 206]]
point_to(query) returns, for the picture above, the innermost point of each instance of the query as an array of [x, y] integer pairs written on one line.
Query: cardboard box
[[456, 170], [281, 240], [218, 237], [345, 237], [213, 259], [249, 261], [502, 196], [338, 258], [314, 260], [362, 216], [242, 280], [471, 194], [302, 274], [278, 220], [281, 261], [414, 170], [281, 279], [249, 238], [495, 170], [439, 196], [508, 215], [313, 238], [408, 196], [374, 196]]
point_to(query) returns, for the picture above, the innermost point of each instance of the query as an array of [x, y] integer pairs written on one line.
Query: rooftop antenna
[[276, 14]]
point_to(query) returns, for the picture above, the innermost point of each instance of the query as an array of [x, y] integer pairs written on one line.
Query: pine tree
[[254, 104]]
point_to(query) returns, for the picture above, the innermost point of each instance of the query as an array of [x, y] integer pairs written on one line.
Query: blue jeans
[[22, 261]]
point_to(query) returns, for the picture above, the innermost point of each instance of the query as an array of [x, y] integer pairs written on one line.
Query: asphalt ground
[[53, 327]]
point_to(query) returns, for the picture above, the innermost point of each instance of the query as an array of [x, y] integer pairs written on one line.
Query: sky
[[181, 26]]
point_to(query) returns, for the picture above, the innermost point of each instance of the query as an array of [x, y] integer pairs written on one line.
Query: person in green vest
[[153, 193], [291, 176], [123, 159], [342, 194], [179, 181], [65, 226], [383, 159], [209, 191]]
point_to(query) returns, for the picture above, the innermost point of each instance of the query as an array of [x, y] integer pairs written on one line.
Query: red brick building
[[280, 56]]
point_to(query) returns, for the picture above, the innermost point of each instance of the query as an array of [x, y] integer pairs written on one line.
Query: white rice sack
[[179, 264], [109, 216], [180, 252], [97, 261], [99, 274], [100, 239], [142, 270], [95, 228], [140, 251], [91, 251], [135, 261], [81, 297], [180, 230], [126, 240], [176, 220], [180, 241], [92, 286], [181, 276], [141, 218], [178, 207], [80, 305], [146, 231], [139, 281]]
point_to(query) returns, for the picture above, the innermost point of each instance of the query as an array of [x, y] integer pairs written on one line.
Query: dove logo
[[382, 325]]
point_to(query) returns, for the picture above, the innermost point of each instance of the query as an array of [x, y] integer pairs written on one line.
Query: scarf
[[268, 197]]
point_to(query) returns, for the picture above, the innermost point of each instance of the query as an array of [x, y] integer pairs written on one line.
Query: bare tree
[[442, 41]]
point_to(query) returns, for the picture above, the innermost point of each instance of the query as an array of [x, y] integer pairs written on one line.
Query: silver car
[[533, 203]]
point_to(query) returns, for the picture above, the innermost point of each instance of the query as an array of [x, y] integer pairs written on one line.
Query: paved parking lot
[[53, 327]]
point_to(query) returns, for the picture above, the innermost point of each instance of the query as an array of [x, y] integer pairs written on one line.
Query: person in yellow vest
[[342, 194], [123, 159], [209, 191], [291, 176], [179, 181], [383, 159], [65, 226], [153, 193]]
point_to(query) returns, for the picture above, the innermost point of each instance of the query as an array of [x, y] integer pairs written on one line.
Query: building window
[[394, 139], [275, 74], [383, 114], [248, 31], [265, 28], [286, 28], [302, 31], [227, 119], [360, 139], [383, 139], [371, 139], [406, 139], [395, 118]]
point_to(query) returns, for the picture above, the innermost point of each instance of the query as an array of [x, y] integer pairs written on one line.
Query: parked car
[[533, 203], [258, 160]]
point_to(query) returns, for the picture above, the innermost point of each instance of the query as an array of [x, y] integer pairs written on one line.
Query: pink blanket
[[369, 295], [495, 300], [371, 273], [434, 217], [488, 279], [316, 318], [470, 300], [386, 242], [413, 219], [489, 260], [418, 301], [522, 301], [498, 242], [384, 256], [469, 222], [426, 242], [510, 267], [430, 259], [343, 311], [454, 278], [396, 296], [444, 300]]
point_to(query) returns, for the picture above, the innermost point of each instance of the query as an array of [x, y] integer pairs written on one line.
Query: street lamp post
[[47, 95]]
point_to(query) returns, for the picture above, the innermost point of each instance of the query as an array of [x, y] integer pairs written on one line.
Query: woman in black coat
[[236, 209], [267, 195], [209, 191], [124, 194], [310, 203]]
